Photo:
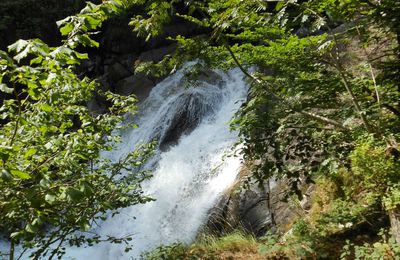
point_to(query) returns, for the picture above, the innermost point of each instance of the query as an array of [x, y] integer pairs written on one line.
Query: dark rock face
[[137, 84], [191, 110], [255, 209], [244, 209], [117, 71], [28, 19], [156, 55], [247, 209]]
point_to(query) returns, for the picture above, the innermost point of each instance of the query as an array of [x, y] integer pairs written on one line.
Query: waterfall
[[191, 168]]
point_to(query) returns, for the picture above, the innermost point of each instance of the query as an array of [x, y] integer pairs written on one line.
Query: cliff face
[[256, 209]]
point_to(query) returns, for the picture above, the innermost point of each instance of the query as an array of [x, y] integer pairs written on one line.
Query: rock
[[184, 28], [254, 209], [137, 84], [117, 72], [306, 202], [188, 111], [95, 108], [127, 60], [156, 55], [209, 76], [241, 208], [122, 40]]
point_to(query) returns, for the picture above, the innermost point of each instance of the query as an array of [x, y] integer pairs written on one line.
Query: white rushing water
[[189, 175]]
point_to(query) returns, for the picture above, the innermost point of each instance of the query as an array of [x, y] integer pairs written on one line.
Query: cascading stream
[[192, 126], [191, 168]]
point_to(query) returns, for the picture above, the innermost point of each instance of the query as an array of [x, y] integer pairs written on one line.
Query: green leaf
[[20, 174], [82, 56], [91, 22], [84, 226], [5, 175], [65, 30], [86, 41], [17, 235], [5, 152], [86, 188], [280, 5], [22, 54], [18, 46], [5, 89], [263, 249], [74, 194], [45, 183], [46, 108], [50, 198], [31, 228], [30, 152], [36, 60]]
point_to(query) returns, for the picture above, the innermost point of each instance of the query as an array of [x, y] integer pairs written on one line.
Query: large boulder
[[241, 208], [117, 71], [138, 84], [184, 116], [156, 55], [255, 209]]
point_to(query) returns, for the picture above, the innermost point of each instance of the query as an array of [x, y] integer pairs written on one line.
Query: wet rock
[[137, 84], [246, 209], [254, 209], [117, 71], [156, 55], [210, 77], [190, 111]]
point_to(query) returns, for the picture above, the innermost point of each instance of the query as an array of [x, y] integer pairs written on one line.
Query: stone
[[95, 108], [209, 76], [117, 71], [256, 210], [156, 55], [241, 208], [137, 84], [127, 60], [188, 111]]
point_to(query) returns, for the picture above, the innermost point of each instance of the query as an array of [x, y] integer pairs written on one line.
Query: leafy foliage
[[309, 100], [53, 181], [324, 97], [324, 101]]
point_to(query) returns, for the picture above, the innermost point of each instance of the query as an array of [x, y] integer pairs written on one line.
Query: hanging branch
[[341, 70], [314, 116]]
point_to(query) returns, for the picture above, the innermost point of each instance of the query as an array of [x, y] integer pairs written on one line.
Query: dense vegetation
[[323, 107], [53, 182]]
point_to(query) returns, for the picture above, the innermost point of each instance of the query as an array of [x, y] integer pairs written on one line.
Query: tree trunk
[[394, 216], [12, 247]]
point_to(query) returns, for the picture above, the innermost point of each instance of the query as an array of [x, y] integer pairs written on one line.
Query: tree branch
[[18, 117], [314, 116]]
